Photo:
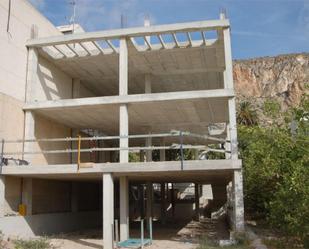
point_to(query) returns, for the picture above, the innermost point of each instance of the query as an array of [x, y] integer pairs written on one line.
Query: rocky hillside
[[282, 78]]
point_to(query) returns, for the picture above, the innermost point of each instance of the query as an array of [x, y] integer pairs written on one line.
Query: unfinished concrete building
[[101, 126]]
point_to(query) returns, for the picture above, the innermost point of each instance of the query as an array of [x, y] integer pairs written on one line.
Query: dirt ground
[[172, 235]]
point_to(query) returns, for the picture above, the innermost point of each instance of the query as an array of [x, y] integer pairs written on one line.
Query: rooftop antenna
[[123, 21], [147, 20], [72, 19], [147, 24], [223, 14]]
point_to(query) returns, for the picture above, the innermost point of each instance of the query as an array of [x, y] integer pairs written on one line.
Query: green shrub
[[41, 243], [206, 243], [276, 171]]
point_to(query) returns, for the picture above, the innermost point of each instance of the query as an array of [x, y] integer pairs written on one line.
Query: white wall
[[13, 52], [50, 83]]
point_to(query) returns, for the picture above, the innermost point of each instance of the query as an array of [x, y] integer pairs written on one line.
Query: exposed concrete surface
[[11, 120], [184, 235], [47, 224], [13, 50], [2, 196], [180, 110], [125, 168]]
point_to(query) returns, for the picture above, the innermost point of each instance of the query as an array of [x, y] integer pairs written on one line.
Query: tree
[[276, 171], [246, 115]]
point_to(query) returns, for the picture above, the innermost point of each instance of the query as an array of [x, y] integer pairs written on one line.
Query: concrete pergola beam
[[128, 99], [129, 32]]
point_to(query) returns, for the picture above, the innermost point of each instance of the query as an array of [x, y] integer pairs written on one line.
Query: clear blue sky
[[259, 27]]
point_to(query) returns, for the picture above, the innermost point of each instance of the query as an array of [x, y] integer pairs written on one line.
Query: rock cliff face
[[282, 78]]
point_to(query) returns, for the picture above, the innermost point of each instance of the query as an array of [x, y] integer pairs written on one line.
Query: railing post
[[1, 155], [78, 151], [181, 148], [142, 233]]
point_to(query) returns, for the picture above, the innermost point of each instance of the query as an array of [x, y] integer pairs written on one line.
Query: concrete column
[[31, 85], [148, 140], [124, 208], [32, 68], [29, 133], [163, 199], [196, 154], [27, 194], [149, 204], [124, 130], [197, 201], [238, 206], [124, 142], [123, 90], [228, 84], [173, 200], [163, 203], [142, 156], [108, 211], [142, 199], [74, 197], [162, 152], [237, 177], [2, 196], [148, 152], [227, 145]]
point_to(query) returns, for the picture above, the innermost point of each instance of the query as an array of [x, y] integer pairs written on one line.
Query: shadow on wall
[[49, 224], [44, 79], [52, 82], [12, 194], [45, 128]]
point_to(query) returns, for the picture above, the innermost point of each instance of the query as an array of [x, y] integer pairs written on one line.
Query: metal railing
[[176, 134]]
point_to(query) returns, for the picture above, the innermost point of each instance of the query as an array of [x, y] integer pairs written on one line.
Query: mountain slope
[[281, 77]]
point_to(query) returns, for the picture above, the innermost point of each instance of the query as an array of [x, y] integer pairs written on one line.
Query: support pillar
[[163, 203], [31, 80], [148, 152], [124, 207], [142, 200], [108, 211], [29, 133], [124, 142], [2, 196], [239, 223], [149, 192], [163, 199], [149, 204], [238, 205], [27, 194], [196, 154], [173, 200], [162, 152], [197, 201], [123, 90], [227, 145], [148, 139]]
